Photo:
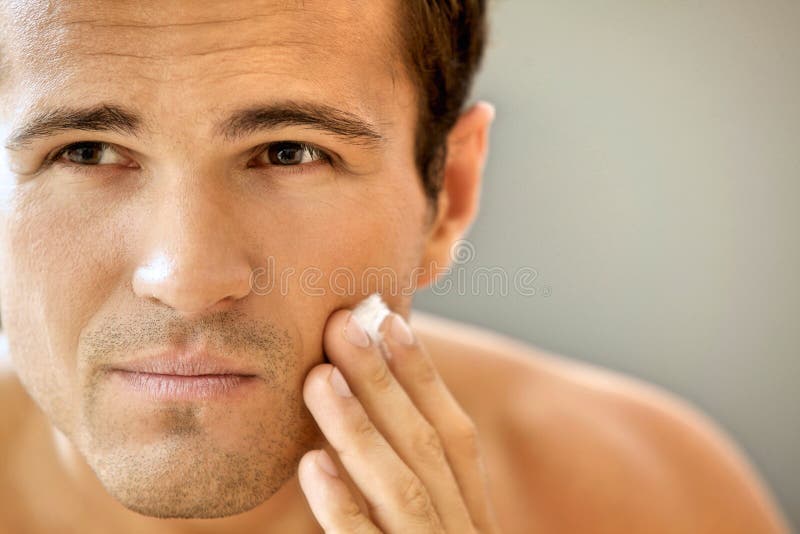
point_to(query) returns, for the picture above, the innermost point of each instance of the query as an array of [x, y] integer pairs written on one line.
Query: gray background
[[645, 161]]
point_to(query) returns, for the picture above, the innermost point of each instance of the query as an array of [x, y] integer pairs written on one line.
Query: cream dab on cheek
[[370, 313]]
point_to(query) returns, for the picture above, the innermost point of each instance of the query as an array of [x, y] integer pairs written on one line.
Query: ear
[[467, 148]]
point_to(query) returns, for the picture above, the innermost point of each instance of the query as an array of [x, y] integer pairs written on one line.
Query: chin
[[190, 506], [191, 476], [182, 479]]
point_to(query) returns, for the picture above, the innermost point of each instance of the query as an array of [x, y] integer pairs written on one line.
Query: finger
[[414, 369], [397, 498], [393, 413], [329, 498]]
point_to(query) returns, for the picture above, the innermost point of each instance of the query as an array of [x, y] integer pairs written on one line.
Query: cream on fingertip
[[370, 314]]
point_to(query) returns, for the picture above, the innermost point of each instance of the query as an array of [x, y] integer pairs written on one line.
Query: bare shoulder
[[15, 417], [13, 398], [571, 447]]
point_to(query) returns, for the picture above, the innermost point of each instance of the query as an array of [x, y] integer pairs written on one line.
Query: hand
[[405, 443]]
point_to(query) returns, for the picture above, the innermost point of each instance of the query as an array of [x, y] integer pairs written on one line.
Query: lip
[[183, 374], [186, 363]]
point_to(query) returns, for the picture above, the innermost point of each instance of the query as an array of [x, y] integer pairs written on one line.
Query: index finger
[[414, 368]]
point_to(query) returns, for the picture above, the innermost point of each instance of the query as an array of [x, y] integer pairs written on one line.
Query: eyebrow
[[242, 122], [340, 123], [52, 122]]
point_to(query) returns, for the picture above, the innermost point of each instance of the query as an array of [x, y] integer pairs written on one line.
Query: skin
[[158, 245], [163, 252]]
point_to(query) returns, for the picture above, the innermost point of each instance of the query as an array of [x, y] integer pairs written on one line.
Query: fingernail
[[355, 333], [339, 384], [326, 463], [400, 331]]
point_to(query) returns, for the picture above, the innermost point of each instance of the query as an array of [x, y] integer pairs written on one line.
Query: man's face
[[136, 242]]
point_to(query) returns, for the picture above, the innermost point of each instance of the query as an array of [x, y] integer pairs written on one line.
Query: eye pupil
[[286, 154], [85, 153]]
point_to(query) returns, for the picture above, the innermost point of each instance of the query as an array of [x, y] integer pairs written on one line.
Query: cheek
[[62, 255], [375, 229], [55, 272], [331, 250]]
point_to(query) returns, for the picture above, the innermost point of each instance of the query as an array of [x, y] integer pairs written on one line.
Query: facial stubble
[[185, 471]]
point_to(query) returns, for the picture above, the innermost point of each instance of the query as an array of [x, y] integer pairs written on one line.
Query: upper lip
[[185, 362]]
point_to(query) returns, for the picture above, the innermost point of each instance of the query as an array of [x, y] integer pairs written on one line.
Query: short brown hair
[[443, 43]]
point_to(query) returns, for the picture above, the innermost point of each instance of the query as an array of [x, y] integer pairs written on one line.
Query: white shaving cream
[[369, 314]]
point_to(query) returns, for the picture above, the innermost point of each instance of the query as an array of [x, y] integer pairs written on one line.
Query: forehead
[[178, 56]]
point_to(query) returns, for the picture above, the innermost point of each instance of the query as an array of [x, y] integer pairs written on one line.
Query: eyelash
[[323, 156]]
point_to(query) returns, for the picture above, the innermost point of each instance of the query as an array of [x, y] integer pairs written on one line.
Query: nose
[[193, 260]]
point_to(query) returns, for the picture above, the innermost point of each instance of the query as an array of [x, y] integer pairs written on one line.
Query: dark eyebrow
[[97, 118], [321, 117]]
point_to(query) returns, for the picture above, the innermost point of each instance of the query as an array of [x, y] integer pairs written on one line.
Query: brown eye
[[287, 153], [89, 153]]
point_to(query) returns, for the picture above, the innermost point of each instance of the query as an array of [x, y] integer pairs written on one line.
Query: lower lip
[[182, 387]]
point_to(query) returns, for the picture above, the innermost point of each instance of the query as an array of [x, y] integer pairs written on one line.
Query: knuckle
[[350, 519], [381, 378], [415, 500], [364, 430], [465, 435], [426, 372], [427, 444], [350, 514]]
